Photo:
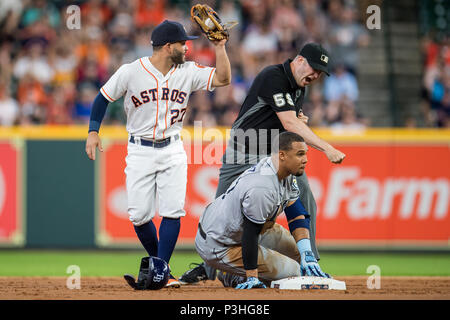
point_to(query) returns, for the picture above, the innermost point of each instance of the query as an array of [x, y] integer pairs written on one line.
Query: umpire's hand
[[303, 118], [93, 141], [334, 155]]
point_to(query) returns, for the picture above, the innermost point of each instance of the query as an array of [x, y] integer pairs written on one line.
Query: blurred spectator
[[38, 10], [83, 106], [286, 16], [437, 86], [439, 96], [121, 34], [346, 36], [230, 13], [6, 65], [349, 120], [92, 73], [314, 20], [95, 12], [200, 109], [32, 100], [59, 106], [259, 46], [10, 12], [340, 84], [34, 63], [9, 108], [64, 63], [93, 48], [201, 52], [227, 102], [32, 111], [142, 46], [314, 107], [149, 13]]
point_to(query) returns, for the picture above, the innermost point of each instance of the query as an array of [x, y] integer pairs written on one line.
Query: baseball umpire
[[237, 233], [273, 105], [157, 90]]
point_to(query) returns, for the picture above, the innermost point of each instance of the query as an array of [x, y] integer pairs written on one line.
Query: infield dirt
[[115, 288]]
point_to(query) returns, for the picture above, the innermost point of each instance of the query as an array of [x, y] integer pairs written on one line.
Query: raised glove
[[210, 23], [251, 283], [308, 263]]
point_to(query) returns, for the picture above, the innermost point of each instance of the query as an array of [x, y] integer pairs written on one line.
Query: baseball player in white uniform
[[157, 90], [237, 233]]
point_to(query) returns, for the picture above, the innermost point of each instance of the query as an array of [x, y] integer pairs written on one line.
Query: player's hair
[[157, 48], [285, 140]]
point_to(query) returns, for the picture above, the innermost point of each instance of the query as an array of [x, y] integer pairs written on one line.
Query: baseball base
[[308, 283]]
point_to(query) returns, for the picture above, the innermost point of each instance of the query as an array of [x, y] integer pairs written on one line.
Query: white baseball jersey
[[155, 104]]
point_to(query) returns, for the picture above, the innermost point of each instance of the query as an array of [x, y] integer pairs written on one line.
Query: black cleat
[[194, 275], [230, 280]]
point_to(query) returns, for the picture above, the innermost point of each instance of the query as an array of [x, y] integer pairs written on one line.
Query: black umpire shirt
[[273, 90]]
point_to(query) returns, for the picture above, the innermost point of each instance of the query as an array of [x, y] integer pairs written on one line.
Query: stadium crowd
[[50, 74], [436, 81]]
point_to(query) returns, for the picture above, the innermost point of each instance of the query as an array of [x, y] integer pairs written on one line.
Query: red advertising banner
[[10, 209], [383, 193]]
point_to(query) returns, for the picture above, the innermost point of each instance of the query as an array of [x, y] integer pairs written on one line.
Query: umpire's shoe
[[194, 275]]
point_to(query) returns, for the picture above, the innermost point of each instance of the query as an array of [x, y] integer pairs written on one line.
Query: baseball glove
[[210, 23]]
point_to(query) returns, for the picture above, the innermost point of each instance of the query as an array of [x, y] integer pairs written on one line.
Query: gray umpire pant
[[230, 172]]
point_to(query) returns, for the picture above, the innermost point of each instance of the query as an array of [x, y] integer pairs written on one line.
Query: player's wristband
[[296, 209], [94, 126], [299, 223]]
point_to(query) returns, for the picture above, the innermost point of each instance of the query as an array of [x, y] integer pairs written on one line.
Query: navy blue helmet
[[158, 273]]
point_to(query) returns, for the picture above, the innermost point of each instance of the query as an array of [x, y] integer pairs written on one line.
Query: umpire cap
[[169, 32], [316, 56]]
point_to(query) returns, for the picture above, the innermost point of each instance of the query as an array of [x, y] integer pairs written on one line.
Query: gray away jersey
[[256, 193]]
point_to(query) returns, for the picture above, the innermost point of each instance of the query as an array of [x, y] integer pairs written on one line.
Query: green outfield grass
[[117, 263]]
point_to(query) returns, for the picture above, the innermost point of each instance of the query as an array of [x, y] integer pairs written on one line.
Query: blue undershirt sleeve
[[98, 112]]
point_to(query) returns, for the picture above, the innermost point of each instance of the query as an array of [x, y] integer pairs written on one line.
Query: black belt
[[156, 144], [202, 233]]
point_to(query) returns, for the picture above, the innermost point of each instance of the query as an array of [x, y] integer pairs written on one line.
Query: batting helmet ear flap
[[143, 273]]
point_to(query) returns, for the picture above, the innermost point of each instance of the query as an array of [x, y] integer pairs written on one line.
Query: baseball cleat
[[194, 275], [230, 280], [173, 282]]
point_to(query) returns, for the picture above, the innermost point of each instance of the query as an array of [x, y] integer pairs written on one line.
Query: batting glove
[[308, 263], [251, 283]]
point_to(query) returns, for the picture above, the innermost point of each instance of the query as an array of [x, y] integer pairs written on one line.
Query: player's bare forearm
[[222, 76], [292, 123], [310, 137]]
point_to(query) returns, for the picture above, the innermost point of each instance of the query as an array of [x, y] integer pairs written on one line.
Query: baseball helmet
[[153, 274], [158, 273]]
